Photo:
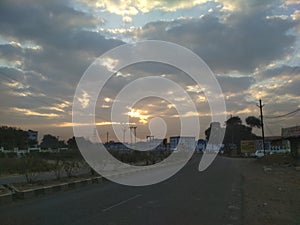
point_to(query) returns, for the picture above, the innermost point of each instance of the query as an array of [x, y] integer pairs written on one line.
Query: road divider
[[15, 194]]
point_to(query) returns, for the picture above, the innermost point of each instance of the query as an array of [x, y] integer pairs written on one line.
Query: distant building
[[156, 144], [273, 144], [115, 146], [290, 132], [182, 143], [293, 135]]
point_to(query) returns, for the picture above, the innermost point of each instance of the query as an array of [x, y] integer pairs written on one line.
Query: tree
[[31, 165], [72, 144], [58, 165], [11, 137], [49, 141], [207, 133], [253, 121], [217, 129], [234, 120], [234, 133]]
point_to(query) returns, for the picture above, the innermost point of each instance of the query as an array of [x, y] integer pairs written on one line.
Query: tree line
[[12, 137], [235, 131]]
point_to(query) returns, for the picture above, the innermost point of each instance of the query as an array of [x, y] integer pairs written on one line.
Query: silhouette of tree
[[72, 143], [11, 137], [217, 127], [234, 133], [235, 120], [253, 121], [49, 141]]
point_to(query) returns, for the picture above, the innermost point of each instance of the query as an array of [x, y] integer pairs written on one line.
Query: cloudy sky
[[252, 46]]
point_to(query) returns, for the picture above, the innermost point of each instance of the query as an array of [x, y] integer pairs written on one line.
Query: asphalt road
[[189, 197]]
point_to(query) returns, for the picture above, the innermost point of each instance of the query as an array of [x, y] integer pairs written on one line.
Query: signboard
[[248, 146], [290, 131]]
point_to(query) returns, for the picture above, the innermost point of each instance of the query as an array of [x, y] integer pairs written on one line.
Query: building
[[178, 143], [273, 144], [293, 135], [116, 146], [156, 144]]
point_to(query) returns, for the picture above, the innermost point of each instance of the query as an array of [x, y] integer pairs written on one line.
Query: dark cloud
[[293, 88], [10, 53], [244, 42], [288, 78], [41, 20], [235, 84], [47, 76], [241, 41], [280, 71]]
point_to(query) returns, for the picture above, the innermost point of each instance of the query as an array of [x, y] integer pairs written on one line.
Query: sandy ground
[[271, 192]]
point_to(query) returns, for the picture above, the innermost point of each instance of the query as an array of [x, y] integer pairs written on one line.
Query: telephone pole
[[130, 128], [134, 128], [134, 133], [260, 105]]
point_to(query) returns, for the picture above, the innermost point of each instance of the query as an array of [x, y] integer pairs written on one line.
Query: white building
[[182, 143]]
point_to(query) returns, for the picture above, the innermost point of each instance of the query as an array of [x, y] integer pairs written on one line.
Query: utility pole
[[124, 131], [150, 138], [260, 105], [130, 128], [134, 133]]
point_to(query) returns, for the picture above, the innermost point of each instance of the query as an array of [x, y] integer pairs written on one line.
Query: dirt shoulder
[[271, 191]]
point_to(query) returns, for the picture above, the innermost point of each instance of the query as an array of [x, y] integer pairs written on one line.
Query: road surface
[[189, 197]]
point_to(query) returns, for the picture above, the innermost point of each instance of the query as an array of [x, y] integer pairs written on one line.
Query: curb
[[16, 195], [7, 197]]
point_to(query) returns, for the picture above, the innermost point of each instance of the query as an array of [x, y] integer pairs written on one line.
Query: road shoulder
[[271, 193]]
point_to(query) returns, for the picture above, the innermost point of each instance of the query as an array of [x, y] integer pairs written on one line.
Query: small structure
[[115, 146], [293, 135], [273, 144], [182, 143]]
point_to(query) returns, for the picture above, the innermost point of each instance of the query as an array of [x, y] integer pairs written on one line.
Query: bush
[[30, 166], [9, 165], [2, 155]]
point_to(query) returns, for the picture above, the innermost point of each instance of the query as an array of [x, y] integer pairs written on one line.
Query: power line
[[284, 115]]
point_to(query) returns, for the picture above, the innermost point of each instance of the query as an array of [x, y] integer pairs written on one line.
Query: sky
[[252, 47]]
